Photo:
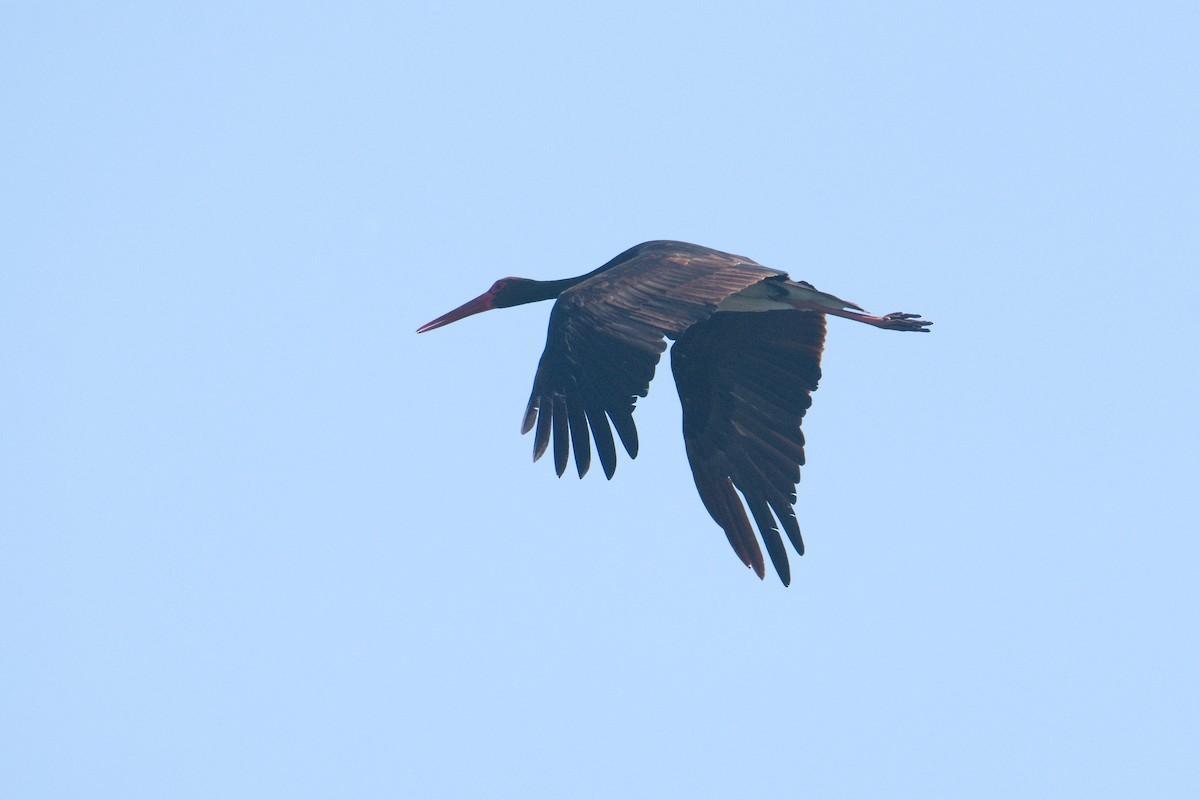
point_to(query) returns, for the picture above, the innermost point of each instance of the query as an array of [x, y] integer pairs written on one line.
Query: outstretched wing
[[745, 381], [605, 339]]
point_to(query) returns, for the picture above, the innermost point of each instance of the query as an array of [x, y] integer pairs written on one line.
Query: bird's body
[[746, 359]]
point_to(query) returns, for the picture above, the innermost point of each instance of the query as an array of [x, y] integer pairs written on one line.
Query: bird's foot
[[899, 321]]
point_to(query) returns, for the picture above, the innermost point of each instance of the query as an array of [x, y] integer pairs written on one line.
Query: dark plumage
[[746, 359]]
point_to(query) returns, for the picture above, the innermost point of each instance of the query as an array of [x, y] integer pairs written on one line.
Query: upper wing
[[605, 339], [744, 382]]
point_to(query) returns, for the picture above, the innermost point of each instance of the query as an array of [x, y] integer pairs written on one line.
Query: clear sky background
[[261, 540]]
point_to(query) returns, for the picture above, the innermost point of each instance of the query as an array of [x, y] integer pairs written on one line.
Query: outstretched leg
[[805, 297], [896, 321]]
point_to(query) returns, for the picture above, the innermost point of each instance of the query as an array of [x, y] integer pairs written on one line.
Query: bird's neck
[[549, 290]]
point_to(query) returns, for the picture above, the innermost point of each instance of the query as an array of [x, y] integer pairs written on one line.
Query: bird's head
[[505, 293]]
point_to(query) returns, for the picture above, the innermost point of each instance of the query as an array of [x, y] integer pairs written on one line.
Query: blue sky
[[261, 540]]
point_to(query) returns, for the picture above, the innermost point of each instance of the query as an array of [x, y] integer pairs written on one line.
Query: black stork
[[747, 357]]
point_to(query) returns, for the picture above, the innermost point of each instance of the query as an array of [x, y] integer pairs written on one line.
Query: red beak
[[485, 302]]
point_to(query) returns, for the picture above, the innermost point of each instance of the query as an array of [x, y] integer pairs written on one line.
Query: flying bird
[[746, 358]]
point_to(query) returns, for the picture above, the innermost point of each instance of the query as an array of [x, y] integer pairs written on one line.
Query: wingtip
[[531, 413], [607, 469]]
